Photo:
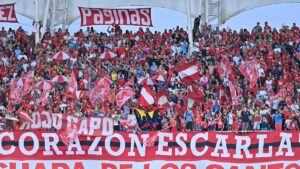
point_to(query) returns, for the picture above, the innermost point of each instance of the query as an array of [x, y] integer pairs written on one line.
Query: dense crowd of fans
[[149, 53]]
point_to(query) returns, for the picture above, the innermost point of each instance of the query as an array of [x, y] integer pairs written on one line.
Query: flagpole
[[37, 34], [45, 17], [189, 25]]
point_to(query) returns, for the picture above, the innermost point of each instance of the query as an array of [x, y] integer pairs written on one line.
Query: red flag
[[188, 72], [145, 125], [234, 98], [100, 93], [105, 109], [124, 95], [250, 71], [15, 91], [130, 82], [105, 81], [70, 134], [28, 85], [288, 101], [79, 94], [124, 123], [40, 85], [148, 81], [195, 93], [224, 68], [151, 140], [222, 95], [72, 86], [44, 96], [159, 77], [23, 115], [281, 94], [147, 96]]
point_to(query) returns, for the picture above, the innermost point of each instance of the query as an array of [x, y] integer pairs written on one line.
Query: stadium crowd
[[145, 54]]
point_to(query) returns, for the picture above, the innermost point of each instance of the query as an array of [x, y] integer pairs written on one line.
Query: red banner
[[100, 16], [192, 147], [7, 13]]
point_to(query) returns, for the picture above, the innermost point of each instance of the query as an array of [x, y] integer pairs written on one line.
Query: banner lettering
[[7, 13], [100, 16], [255, 149], [92, 126]]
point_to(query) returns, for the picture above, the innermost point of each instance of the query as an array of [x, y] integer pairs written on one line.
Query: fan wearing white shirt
[[264, 110]]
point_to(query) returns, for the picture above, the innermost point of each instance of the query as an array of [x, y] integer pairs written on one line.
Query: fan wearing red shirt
[[173, 124], [236, 125], [220, 125], [204, 125], [140, 32], [267, 28], [212, 51], [121, 81], [294, 125], [295, 28]]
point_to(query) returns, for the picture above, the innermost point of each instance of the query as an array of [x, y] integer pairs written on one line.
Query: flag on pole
[[250, 71]]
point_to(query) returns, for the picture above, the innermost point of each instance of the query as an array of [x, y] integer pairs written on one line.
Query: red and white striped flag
[[188, 72], [147, 96], [234, 98]]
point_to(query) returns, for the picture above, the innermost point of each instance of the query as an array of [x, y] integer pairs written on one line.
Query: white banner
[[98, 164]]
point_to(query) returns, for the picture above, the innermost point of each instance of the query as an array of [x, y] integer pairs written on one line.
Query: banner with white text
[[91, 126], [101, 16], [209, 150], [157, 164], [7, 13]]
